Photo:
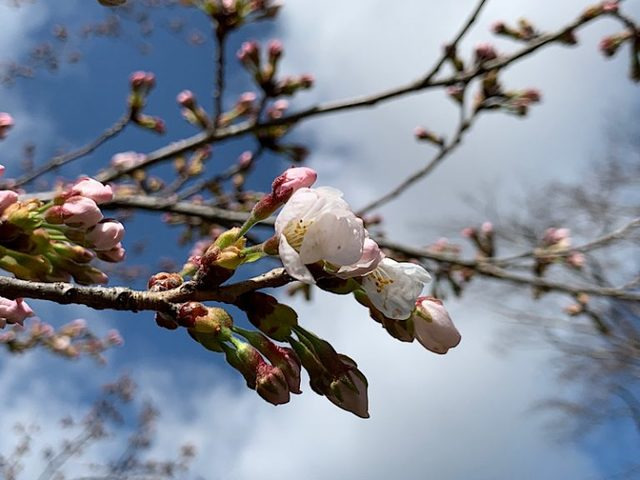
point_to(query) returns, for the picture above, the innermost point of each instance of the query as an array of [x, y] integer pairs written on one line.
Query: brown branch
[[61, 160], [599, 242], [121, 298], [218, 92]]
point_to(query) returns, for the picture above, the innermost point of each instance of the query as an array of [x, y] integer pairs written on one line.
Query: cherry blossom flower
[[77, 211], [93, 189], [105, 235], [127, 160], [13, 311], [394, 287], [433, 326], [318, 225]]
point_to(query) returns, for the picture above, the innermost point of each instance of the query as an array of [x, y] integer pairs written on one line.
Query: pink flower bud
[[433, 326], [127, 160], [271, 384], [499, 27], [245, 160], [6, 122], [115, 255], [93, 189], [576, 260], [487, 228], [484, 52], [77, 211], [146, 80], [106, 235], [1, 170], [249, 54], [13, 311], [7, 197], [114, 338], [275, 50], [291, 180], [186, 98]]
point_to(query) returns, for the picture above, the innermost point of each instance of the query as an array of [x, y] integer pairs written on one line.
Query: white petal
[[394, 287], [371, 257], [292, 262], [336, 237]]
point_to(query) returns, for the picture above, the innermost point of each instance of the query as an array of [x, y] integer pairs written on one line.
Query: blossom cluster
[[71, 340], [57, 240], [320, 241]]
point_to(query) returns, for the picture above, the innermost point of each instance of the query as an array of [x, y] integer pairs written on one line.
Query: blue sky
[[466, 415]]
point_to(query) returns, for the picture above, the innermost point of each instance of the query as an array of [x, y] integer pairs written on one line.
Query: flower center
[[295, 231], [381, 279]]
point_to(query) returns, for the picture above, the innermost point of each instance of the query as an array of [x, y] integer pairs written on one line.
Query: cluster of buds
[[524, 31], [194, 166], [579, 306], [264, 74], [493, 96], [332, 374], [483, 239], [228, 15], [555, 247], [271, 370], [6, 122], [428, 136], [141, 85], [192, 111], [71, 340], [14, 312], [161, 282], [609, 45], [57, 240]]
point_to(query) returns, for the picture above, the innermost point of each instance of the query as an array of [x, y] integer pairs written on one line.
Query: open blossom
[[433, 326], [93, 189], [314, 225], [13, 311], [394, 287], [105, 235]]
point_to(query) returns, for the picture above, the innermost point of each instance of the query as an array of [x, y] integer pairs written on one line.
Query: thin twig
[[60, 160], [218, 92], [599, 242]]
